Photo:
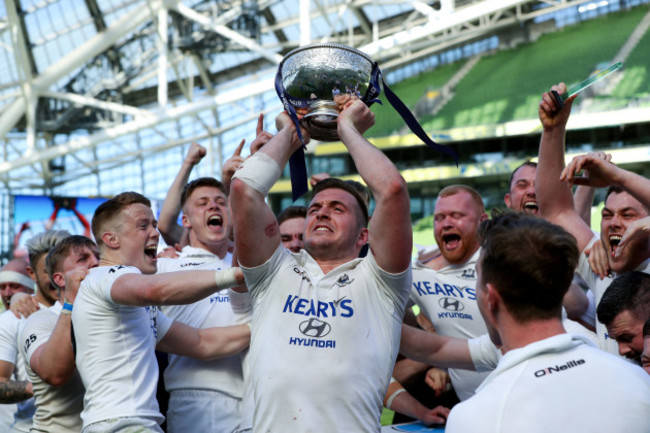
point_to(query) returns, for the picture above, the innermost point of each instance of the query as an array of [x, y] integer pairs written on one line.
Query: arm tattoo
[[13, 391]]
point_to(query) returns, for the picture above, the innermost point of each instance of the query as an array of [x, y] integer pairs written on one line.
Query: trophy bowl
[[316, 80]]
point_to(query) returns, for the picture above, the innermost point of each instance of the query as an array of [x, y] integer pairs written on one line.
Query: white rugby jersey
[[223, 375], [115, 350], [10, 327], [323, 345], [562, 383], [58, 408], [448, 298]]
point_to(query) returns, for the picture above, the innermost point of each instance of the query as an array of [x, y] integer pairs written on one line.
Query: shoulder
[[8, 322], [472, 415]]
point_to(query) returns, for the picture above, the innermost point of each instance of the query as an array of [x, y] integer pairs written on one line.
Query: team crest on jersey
[[469, 274], [344, 280]]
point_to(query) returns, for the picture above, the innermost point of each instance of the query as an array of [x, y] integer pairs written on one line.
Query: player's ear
[[507, 200], [31, 273], [58, 279], [186, 223], [363, 236], [493, 299], [110, 239]]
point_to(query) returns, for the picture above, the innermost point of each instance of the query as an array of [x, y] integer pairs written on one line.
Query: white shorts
[[202, 411], [124, 425]]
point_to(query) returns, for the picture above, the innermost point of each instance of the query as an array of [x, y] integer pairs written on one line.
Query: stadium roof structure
[[94, 90]]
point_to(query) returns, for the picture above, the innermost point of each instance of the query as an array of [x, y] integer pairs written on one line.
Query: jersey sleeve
[[163, 323], [242, 306], [257, 276], [484, 353], [8, 337], [113, 274], [36, 332], [395, 287]]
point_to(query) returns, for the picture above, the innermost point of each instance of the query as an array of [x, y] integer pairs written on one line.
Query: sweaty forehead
[[333, 195]]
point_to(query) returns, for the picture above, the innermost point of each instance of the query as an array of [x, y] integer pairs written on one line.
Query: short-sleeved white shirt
[[58, 408], [448, 298], [115, 350], [323, 345], [10, 327], [223, 375], [562, 383]]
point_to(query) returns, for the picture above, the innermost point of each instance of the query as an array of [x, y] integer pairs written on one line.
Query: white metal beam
[[76, 58], [87, 101], [251, 45]]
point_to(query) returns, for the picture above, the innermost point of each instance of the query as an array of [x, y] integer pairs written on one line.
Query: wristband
[[67, 308], [389, 402], [226, 278], [260, 172]]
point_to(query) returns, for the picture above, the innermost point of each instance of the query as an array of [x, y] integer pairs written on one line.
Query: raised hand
[[601, 172]]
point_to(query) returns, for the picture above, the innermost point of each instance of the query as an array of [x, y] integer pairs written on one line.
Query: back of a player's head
[[110, 209], [44, 242], [292, 212], [526, 163], [189, 188], [530, 262], [57, 255], [452, 190], [16, 265], [646, 328], [630, 291], [332, 182]]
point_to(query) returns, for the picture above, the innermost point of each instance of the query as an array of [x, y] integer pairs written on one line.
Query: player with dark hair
[[525, 268]]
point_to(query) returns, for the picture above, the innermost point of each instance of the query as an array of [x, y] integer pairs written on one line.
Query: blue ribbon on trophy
[[320, 119]]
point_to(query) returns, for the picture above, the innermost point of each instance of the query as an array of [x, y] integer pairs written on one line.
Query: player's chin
[[150, 266]]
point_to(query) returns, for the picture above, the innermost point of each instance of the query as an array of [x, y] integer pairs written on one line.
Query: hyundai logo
[[315, 328], [451, 304]]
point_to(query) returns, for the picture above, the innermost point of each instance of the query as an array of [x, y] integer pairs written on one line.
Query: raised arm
[[257, 234], [172, 288], [554, 197], [53, 361], [171, 232], [603, 173], [205, 344], [583, 198], [390, 232], [236, 160], [435, 349]]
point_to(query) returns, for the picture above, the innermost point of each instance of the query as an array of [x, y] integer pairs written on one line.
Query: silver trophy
[[318, 78]]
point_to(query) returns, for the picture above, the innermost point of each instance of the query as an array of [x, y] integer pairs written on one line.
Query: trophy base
[[321, 121]]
